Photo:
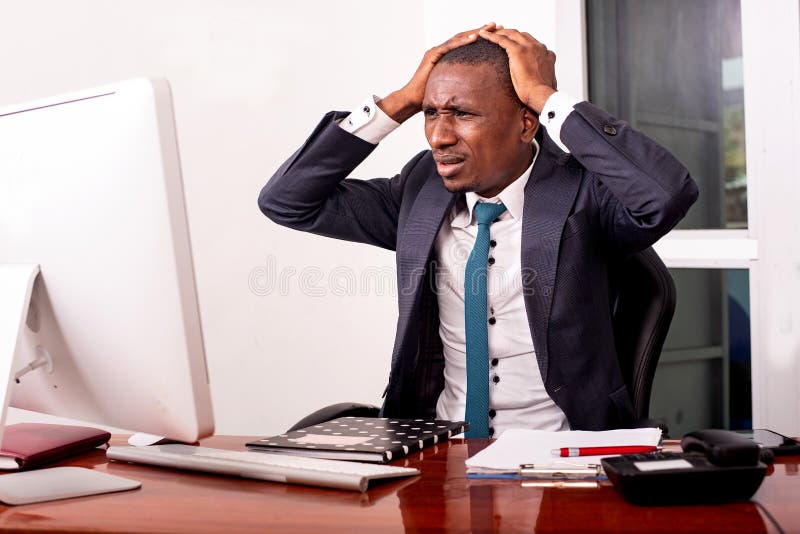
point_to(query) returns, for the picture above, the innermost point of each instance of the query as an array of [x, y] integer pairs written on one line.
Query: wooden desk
[[441, 499]]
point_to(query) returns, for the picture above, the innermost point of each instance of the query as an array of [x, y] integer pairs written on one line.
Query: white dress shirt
[[517, 398]]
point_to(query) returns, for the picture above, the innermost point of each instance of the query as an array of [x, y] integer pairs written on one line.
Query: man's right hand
[[404, 103]]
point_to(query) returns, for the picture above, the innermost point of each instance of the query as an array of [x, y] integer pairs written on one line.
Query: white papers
[[517, 446]]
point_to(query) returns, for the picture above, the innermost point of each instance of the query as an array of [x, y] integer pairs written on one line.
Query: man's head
[[479, 131]]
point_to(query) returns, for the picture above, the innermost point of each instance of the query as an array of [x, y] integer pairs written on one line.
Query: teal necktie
[[475, 322]]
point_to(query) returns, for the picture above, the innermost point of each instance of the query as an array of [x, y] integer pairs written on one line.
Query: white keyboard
[[261, 466]]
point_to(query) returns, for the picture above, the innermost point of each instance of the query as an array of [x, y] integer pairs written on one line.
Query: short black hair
[[483, 52]]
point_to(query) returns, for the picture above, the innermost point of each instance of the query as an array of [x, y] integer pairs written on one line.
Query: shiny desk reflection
[[441, 499]]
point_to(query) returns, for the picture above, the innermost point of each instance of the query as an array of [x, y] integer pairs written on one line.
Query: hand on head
[[404, 103], [532, 65], [532, 68]]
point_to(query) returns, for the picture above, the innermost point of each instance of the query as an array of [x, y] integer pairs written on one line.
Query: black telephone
[[716, 466]]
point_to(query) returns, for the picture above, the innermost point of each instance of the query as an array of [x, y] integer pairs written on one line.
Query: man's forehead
[[454, 82]]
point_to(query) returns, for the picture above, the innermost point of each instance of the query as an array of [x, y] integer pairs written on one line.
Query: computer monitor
[[91, 199]]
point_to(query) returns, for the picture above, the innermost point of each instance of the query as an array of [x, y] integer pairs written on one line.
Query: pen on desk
[[566, 452]]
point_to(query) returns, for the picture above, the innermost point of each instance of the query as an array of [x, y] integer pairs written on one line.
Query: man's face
[[479, 135]]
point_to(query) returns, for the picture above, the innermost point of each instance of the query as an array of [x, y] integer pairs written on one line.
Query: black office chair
[[642, 314], [643, 310]]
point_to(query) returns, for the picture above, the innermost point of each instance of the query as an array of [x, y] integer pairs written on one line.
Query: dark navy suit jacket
[[616, 193]]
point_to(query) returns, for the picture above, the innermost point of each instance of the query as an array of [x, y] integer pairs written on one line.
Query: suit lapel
[[549, 196], [430, 207]]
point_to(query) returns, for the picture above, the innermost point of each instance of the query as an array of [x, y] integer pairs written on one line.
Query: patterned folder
[[365, 439]]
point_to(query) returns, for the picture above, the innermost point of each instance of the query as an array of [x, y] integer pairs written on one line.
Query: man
[[505, 233]]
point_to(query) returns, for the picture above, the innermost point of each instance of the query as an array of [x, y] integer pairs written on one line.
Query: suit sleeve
[[310, 192], [641, 189]]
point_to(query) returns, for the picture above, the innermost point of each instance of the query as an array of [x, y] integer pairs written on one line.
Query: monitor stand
[[16, 288], [140, 439]]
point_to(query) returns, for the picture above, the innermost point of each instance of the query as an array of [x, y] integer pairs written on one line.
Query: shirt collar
[[513, 196]]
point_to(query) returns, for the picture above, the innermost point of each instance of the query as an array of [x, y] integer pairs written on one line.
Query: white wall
[[771, 45], [250, 79]]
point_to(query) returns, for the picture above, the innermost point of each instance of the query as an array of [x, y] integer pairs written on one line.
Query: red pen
[[566, 452]]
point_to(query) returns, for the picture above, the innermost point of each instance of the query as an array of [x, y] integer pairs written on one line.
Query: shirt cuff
[[369, 122], [554, 113]]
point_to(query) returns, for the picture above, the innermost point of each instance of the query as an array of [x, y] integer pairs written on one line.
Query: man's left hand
[[532, 65]]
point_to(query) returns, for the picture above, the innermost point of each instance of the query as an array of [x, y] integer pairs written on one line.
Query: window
[[673, 69], [703, 378]]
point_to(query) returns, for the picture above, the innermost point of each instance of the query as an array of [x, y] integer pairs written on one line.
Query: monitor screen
[[91, 192]]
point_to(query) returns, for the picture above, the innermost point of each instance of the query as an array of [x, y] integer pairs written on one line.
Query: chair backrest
[[643, 311]]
